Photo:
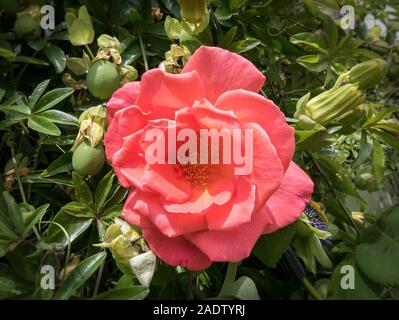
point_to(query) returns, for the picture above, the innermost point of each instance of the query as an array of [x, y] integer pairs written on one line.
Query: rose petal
[[222, 70], [170, 224], [237, 211], [233, 244], [176, 251], [122, 98], [132, 216], [267, 168], [125, 122], [165, 93], [287, 203], [208, 116], [250, 107]]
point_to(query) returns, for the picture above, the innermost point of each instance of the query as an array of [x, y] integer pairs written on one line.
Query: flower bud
[[192, 10], [368, 74], [331, 104], [195, 15], [350, 119]]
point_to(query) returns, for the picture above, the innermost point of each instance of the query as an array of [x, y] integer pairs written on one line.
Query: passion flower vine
[[194, 214]]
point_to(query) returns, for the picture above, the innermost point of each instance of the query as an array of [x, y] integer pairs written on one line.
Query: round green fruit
[[27, 27], [88, 160], [102, 79]]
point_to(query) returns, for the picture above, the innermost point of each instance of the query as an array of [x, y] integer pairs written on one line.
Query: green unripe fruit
[[365, 179], [9, 6], [27, 27], [302, 230], [102, 79], [369, 73], [88, 160]]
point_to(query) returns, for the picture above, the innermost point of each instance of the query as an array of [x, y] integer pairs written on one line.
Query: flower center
[[197, 174]]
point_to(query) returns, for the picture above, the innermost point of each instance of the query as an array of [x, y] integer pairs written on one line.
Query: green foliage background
[[50, 215]]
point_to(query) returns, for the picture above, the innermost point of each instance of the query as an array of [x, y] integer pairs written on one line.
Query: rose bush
[[191, 215]]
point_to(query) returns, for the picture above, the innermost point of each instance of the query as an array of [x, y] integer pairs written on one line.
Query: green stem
[[333, 191], [189, 285], [98, 280], [312, 290], [89, 52], [230, 275], [143, 52], [21, 188]]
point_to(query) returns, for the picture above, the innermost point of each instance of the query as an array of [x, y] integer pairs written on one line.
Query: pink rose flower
[[192, 216]]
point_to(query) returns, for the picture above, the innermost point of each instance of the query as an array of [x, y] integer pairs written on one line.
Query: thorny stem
[[143, 52]]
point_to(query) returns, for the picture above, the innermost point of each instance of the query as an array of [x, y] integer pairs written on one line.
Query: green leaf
[[243, 289], [309, 39], [62, 179], [234, 4], [62, 164], [337, 176], [380, 115], [378, 252], [117, 197], [6, 54], [129, 293], [378, 161], [34, 218], [52, 98], [331, 33], [6, 229], [270, 247], [80, 275], [102, 190], [388, 138], [56, 56], [57, 116], [30, 60], [37, 93], [227, 39], [244, 45], [20, 108], [77, 209], [82, 190], [66, 140], [14, 213], [74, 226], [314, 63], [10, 283], [363, 290], [41, 124], [365, 150]]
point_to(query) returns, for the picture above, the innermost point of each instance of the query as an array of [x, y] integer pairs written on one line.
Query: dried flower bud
[[331, 104]]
